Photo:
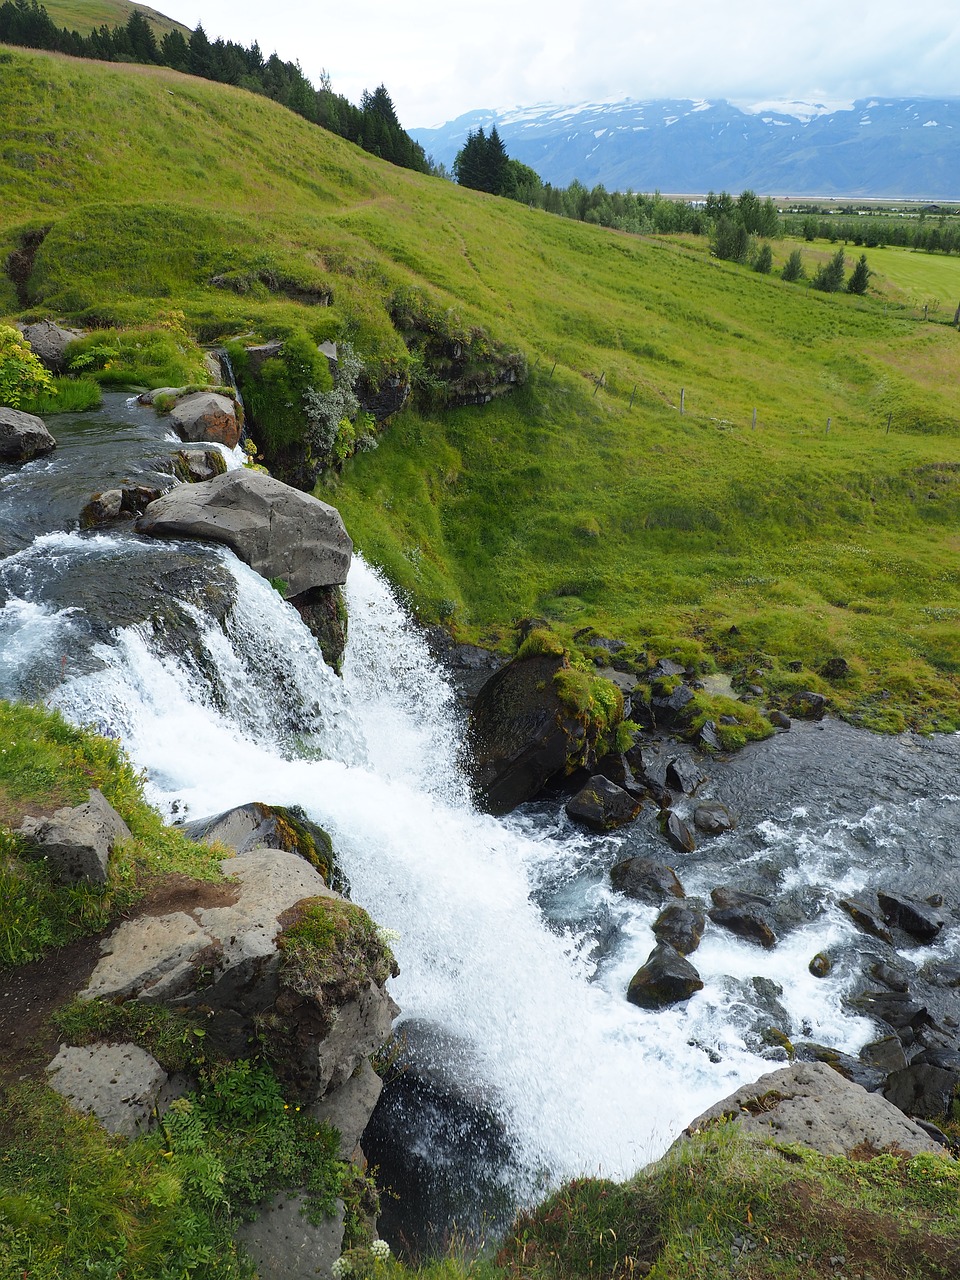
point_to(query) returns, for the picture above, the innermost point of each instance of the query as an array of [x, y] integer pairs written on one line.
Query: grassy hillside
[[87, 15], [586, 497]]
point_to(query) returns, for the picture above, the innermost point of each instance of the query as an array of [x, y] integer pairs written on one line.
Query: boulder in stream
[[23, 436], [205, 415], [289, 537], [666, 978], [602, 806], [646, 880]]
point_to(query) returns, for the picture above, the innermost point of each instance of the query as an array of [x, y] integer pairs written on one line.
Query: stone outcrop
[[49, 343], [205, 415], [23, 436], [285, 535], [521, 734], [811, 1104], [748, 915], [681, 924], [266, 826], [76, 843]]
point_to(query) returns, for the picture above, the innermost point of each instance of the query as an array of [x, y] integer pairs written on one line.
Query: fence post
[[753, 424], [889, 417], [554, 369], [681, 401], [827, 432], [633, 394]]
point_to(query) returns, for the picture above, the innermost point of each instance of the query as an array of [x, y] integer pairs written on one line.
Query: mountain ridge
[[881, 146]]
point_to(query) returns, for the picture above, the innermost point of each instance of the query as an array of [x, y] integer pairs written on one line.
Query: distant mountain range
[[907, 148]]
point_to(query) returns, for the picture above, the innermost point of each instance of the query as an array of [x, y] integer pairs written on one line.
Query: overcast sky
[[440, 58]]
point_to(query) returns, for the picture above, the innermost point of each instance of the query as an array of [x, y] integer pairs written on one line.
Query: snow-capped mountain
[[898, 147]]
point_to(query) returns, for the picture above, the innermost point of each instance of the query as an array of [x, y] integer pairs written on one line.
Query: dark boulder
[[820, 965], [779, 719], [646, 880], [680, 925], [748, 915], [857, 1071], [102, 508], [922, 1090], [713, 818], [683, 774], [324, 611], [867, 917], [669, 704], [603, 806], [886, 1054], [807, 705], [521, 734], [666, 978], [23, 436], [918, 919], [676, 831]]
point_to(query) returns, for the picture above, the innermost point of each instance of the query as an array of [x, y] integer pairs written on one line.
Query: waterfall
[[514, 951], [582, 1081]]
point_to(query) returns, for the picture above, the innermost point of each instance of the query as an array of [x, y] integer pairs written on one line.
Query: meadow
[[825, 526]]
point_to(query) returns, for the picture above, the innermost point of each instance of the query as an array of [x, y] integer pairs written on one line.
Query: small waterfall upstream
[[514, 952]]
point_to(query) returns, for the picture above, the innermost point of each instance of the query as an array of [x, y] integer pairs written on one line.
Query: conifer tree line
[[373, 125]]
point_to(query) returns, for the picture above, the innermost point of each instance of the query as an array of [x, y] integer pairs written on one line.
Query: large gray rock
[[266, 826], [205, 415], [49, 343], [121, 1084], [664, 979], [224, 958], [811, 1104], [280, 532], [285, 1245], [23, 436], [76, 843]]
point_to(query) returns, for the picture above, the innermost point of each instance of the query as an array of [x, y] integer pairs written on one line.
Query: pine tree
[[793, 268], [829, 278], [860, 277]]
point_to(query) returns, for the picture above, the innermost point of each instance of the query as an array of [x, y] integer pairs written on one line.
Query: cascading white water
[[584, 1082]]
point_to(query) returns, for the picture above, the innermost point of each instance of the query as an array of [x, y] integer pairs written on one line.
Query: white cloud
[[441, 59]]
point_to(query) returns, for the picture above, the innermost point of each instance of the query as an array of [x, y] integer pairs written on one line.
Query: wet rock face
[[748, 915], [23, 436], [283, 534], [520, 733], [681, 925]]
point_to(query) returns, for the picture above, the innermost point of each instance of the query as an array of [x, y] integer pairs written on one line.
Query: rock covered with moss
[[536, 719]]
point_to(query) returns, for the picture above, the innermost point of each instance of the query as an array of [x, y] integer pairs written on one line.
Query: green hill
[[87, 15], [585, 496]]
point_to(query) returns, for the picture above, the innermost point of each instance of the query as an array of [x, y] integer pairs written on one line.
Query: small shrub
[[331, 947], [22, 376]]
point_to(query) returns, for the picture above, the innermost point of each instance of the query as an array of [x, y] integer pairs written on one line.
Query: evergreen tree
[[495, 163], [143, 43], [860, 277], [731, 240], [793, 268], [763, 259], [829, 277], [468, 164]]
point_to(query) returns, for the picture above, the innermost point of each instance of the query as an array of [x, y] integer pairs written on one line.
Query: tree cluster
[[373, 125], [873, 231]]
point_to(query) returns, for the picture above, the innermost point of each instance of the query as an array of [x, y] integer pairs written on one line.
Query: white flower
[[342, 1267], [380, 1250]]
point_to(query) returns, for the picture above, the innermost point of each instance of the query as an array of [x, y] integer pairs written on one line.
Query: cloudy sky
[[439, 58]]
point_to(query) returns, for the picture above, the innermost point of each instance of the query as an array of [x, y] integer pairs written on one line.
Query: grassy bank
[[587, 497]]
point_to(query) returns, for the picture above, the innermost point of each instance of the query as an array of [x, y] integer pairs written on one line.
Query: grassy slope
[[564, 501], [86, 15]]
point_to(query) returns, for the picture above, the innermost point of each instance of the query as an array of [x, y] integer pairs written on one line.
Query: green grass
[[46, 763], [87, 15], [585, 498]]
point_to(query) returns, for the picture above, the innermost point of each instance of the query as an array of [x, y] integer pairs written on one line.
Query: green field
[[586, 497], [87, 15]]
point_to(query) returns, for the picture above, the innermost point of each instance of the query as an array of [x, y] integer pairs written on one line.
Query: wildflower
[[380, 1250], [342, 1267]]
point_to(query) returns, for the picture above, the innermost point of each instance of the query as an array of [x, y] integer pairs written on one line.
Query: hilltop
[[586, 496]]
